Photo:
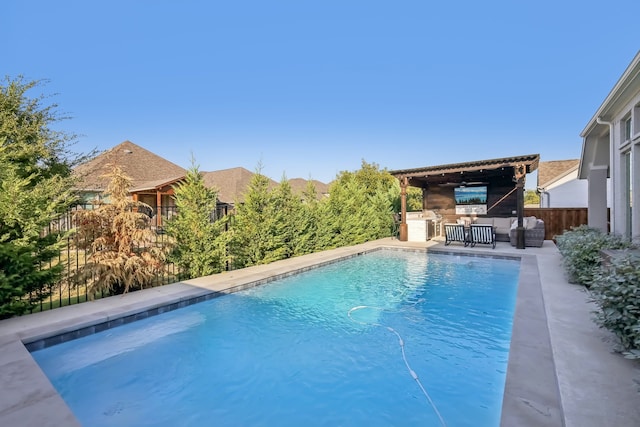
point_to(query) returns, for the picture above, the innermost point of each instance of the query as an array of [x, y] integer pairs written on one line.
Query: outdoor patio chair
[[455, 233], [482, 233]]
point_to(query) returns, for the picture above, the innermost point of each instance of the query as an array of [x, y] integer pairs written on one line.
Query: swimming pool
[[320, 348]]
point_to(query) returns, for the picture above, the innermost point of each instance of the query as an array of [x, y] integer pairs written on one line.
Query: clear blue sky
[[311, 88]]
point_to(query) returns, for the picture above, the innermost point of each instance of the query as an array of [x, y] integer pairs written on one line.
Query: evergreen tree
[[251, 239], [414, 200], [306, 229], [360, 207], [35, 187], [345, 211], [326, 226], [285, 206], [199, 248], [274, 224], [122, 250]]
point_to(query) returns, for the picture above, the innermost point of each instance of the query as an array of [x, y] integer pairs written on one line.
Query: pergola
[[157, 191], [504, 176]]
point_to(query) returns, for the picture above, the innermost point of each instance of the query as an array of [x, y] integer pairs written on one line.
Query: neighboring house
[[231, 184], [152, 176], [611, 148], [299, 186], [558, 185]]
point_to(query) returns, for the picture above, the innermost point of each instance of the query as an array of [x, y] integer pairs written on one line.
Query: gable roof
[[142, 166], [148, 171], [621, 94], [157, 185], [595, 149], [551, 171], [231, 184], [299, 186]]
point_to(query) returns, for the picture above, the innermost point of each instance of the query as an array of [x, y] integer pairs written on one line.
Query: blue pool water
[[322, 348]]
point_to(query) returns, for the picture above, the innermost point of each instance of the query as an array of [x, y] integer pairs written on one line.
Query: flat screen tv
[[470, 195]]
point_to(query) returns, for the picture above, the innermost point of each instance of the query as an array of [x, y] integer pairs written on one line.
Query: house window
[[627, 129], [635, 124], [627, 195]]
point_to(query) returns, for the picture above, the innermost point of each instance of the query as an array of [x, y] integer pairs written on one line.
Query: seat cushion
[[532, 221], [464, 220], [487, 221], [502, 225]]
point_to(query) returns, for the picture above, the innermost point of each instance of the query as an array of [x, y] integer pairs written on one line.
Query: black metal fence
[[69, 291]]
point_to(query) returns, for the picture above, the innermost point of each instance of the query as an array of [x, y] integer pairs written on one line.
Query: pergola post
[[519, 176], [404, 182], [158, 208]]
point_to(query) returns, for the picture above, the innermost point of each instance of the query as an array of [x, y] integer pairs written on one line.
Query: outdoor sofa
[[505, 229], [533, 232]]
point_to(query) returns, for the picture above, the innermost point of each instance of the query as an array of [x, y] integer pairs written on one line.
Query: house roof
[[299, 185], [551, 171], [460, 172], [595, 149], [231, 184], [149, 171], [157, 185], [623, 91], [145, 168]]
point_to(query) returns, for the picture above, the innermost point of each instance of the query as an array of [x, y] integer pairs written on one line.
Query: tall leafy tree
[[35, 187], [199, 245]]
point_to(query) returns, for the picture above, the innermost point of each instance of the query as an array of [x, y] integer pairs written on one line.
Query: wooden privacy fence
[[558, 220]]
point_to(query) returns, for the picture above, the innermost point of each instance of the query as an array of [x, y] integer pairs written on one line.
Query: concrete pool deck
[[562, 367]]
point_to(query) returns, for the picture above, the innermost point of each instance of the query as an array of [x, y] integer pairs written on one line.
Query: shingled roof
[[141, 165], [148, 171], [231, 184], [299, 185], [551, 171]]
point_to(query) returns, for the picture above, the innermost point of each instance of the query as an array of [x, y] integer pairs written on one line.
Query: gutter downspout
[[544, 197], [602, 122]]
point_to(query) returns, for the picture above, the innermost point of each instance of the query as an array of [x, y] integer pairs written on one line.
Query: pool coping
[[30, 399]]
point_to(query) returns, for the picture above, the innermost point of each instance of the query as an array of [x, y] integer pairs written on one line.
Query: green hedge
[[614, 286], [580, 249], [616, 291]]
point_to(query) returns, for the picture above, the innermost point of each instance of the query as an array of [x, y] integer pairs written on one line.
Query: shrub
[[23, 281], [615, 289], [581, 248], [121, 248]]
